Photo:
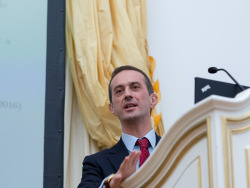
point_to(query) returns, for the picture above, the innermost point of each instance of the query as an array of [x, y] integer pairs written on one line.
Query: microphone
[[213, 70]]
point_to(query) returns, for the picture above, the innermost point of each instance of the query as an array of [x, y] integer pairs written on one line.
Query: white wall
[[187, 37]]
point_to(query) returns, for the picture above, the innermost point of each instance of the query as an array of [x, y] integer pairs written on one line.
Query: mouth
[[129, 106]]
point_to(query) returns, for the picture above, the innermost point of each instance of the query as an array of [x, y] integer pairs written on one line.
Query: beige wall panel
[[192, 169]]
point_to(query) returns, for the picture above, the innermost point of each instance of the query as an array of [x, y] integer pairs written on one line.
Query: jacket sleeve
[[91, 174]]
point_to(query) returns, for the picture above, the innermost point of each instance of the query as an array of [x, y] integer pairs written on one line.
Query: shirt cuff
[[102, 185]]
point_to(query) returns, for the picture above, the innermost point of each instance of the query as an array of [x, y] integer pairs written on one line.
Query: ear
[[154, 99], [111, 109]]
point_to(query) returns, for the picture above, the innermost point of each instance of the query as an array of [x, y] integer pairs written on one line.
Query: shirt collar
[[130, 140]]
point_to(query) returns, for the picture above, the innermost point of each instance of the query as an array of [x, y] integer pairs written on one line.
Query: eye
[[118, 91], [136, 87]]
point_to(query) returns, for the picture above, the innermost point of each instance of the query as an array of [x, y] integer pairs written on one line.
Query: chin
[[130, 118]]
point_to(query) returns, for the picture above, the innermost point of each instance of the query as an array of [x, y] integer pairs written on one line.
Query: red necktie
[[143, 143]]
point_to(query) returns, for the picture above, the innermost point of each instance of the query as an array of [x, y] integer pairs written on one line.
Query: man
[[131, 98]]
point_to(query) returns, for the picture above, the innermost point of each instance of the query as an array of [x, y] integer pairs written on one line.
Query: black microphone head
[[212, 70]]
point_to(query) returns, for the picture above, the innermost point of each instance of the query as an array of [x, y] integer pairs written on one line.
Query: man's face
[[130, 97]]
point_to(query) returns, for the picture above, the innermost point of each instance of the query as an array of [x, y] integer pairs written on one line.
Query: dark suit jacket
[[100, 165]]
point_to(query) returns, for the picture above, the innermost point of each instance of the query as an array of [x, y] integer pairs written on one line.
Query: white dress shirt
[[130, 141]]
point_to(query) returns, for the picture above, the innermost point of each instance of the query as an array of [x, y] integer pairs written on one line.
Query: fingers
[[124, 164], [131, 158], [136, 158]]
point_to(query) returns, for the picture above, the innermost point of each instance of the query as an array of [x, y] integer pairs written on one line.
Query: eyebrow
[[130, 83]]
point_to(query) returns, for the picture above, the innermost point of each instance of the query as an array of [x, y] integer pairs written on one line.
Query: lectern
[[207, 147]]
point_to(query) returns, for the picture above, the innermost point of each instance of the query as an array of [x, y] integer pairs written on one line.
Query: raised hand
[[127, 168]]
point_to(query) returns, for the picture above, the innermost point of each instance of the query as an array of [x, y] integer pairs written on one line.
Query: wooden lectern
[[208, 147]]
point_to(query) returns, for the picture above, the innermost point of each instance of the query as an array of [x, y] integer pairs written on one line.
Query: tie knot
[[143, 143]]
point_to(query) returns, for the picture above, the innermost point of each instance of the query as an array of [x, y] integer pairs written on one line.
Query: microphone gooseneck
[[213, 70]]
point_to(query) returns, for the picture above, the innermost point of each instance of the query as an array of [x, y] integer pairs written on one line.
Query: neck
[[137, 128]]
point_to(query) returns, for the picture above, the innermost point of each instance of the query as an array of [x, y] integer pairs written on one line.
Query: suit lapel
[[117, 154], [157, 139]]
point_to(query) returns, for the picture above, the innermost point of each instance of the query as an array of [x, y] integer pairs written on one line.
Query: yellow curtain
[[100, 36]]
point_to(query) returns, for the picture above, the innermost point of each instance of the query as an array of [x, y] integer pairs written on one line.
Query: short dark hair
[[129, 67]]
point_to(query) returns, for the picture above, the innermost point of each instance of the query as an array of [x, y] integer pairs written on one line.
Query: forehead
[[126, 77]]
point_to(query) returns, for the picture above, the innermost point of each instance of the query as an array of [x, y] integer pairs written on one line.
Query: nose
[[128, 93]]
